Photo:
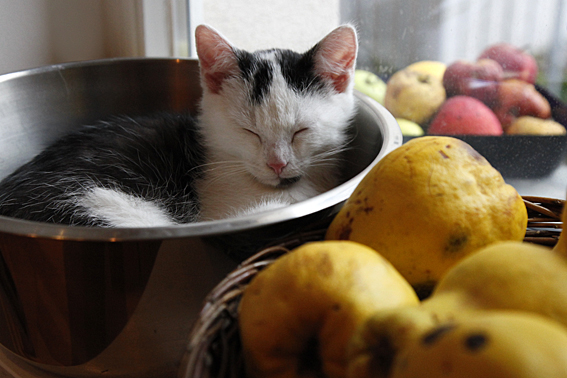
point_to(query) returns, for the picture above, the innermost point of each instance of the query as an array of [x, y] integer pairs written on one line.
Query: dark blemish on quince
[[456, 243], [346, 230], [325, 266], [476, 342], [425, 79], [345, 233], [443, 154], [436, 334]]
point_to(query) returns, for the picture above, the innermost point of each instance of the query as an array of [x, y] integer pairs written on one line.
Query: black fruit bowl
[[524, 156]]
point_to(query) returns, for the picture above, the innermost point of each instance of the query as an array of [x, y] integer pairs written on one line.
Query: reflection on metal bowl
[[119, 302]]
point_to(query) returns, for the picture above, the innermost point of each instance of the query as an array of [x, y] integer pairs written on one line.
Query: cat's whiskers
[[325, 158], [219, 178], [223, 170], [210, 166]]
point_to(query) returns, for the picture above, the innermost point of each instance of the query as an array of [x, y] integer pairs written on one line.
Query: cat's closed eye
[[300, 131], [253, 133]]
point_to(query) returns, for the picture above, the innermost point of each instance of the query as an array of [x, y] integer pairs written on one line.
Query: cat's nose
[[277, 166]]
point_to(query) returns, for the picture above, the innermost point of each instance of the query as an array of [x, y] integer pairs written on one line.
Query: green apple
[[370, 84], [409, 128]]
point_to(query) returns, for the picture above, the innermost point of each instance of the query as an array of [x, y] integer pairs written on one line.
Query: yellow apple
[[413, 95], [431, 67]]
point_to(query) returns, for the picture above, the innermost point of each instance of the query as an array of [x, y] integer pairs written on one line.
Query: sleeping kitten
[[271, 128]]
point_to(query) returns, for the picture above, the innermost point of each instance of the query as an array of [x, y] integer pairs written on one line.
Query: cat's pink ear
[[216, 57], [335, 57]]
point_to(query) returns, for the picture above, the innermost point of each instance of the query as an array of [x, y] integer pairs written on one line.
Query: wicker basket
[[214, 346]]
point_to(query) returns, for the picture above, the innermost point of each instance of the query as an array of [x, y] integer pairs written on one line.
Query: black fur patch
[[299, 70], [155, 157], [259, 72]]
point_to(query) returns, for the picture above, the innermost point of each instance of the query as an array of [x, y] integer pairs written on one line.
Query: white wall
[[260, 24], [25, 41], [76, 29], [41, 32]]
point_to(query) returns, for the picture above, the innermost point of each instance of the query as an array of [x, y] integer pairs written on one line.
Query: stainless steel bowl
[[83, 302]]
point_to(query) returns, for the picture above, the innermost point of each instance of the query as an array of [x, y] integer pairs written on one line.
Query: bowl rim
[[391, 135], [88, 63]]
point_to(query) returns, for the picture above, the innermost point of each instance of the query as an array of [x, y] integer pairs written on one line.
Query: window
[[394, 34]]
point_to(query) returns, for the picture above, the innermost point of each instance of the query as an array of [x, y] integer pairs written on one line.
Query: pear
[[501, 344], [528, 125], [297, 315], [507, 275], [428, 204], [517, 98]]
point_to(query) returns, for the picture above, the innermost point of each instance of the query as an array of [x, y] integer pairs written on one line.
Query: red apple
[[479, 79], [464, 115], [517, 98], [516, 63]]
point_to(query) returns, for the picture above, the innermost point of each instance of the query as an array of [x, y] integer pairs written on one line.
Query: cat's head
[[276, 114]]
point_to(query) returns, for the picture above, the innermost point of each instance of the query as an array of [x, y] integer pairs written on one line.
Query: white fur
[[123, 210], [239, 159]]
